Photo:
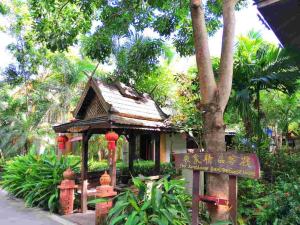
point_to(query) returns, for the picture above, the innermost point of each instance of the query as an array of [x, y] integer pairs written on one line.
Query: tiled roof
[[130, 104]]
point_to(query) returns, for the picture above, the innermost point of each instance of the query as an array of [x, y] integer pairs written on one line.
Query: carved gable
[[91, 106]]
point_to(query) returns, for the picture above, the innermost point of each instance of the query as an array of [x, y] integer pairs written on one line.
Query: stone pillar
[[105, 190], [66, 195]]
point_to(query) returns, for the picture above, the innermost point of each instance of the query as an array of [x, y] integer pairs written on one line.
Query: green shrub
[[279, 164], [251, 200], [146, 168], [2, 163], [162, 203], [98, 165], [282, 204], [274, 199], [35, 178]]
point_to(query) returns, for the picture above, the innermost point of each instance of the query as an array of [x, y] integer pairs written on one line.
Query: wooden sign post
[[231, 163]]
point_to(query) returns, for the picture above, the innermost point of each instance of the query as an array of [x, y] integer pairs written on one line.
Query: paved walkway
[[13, 212]]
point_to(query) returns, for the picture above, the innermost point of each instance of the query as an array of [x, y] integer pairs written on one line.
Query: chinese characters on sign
[[238, 164]]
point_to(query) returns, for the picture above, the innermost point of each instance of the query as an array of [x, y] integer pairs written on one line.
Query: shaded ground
[[13, 212], [82, 219]]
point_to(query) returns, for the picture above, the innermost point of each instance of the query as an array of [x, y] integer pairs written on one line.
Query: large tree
[[214, 93], [186, 22]]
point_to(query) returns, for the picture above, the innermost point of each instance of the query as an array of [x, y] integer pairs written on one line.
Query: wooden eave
[[101, 124], [283, 17]]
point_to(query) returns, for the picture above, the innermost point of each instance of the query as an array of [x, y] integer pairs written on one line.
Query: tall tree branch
[[206, 76], [226, 64]]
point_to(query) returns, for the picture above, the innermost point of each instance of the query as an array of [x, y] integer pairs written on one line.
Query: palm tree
[[20, 133], [259, 66], [63, 85], [28, 110]]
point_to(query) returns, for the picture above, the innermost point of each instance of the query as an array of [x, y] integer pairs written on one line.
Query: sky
[[246, 19]]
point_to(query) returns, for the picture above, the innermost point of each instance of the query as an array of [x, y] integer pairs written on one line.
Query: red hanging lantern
[[61, 142], [111, 138]]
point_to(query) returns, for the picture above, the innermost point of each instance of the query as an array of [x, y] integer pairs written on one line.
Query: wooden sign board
[[231, 163]]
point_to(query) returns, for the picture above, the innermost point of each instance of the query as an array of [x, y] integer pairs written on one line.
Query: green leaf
[[222, 223], [118, 219], [131, 218], [98, 200]]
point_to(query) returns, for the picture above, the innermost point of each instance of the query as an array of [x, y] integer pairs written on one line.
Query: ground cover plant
[[35, 178], [165, 202]]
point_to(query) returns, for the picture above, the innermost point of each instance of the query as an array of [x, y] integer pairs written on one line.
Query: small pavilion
[[104, 107]]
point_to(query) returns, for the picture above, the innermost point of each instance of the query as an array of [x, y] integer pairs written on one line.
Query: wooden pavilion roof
[[283, 17], [113, 106]]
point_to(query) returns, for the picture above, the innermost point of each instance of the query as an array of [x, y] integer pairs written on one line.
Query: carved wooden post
[[66, 196], [105, 190]]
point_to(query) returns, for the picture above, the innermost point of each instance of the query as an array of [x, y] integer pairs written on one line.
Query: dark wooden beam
[[233, 198], [195, 200], [112, 167], [84, 171], [132, 147], [157, 153]]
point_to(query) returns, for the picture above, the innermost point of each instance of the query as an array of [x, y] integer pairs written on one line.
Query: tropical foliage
[[35, 178], [142, 167], [259, 66], [275, 198], [58, 45], [164, 202]]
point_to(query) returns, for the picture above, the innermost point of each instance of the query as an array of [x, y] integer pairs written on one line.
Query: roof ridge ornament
[[127, 91]]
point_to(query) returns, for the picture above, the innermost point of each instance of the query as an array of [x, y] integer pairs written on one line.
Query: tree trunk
[[214, 135], [248, 127], [214, 138], [214, 95]]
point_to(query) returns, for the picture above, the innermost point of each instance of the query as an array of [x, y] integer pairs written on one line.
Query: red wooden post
[[112, 138], [233, 198], [105, 190], [66, 195], [195, 200]]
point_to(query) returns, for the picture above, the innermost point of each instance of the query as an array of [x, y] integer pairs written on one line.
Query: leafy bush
[[251, 200], [279, 164], [145, 168], [162, 203], [283, 204], [275, 199], [2, 163], [35, 178]]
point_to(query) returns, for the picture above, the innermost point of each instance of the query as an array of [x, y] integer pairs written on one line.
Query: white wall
[[176, 143]]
